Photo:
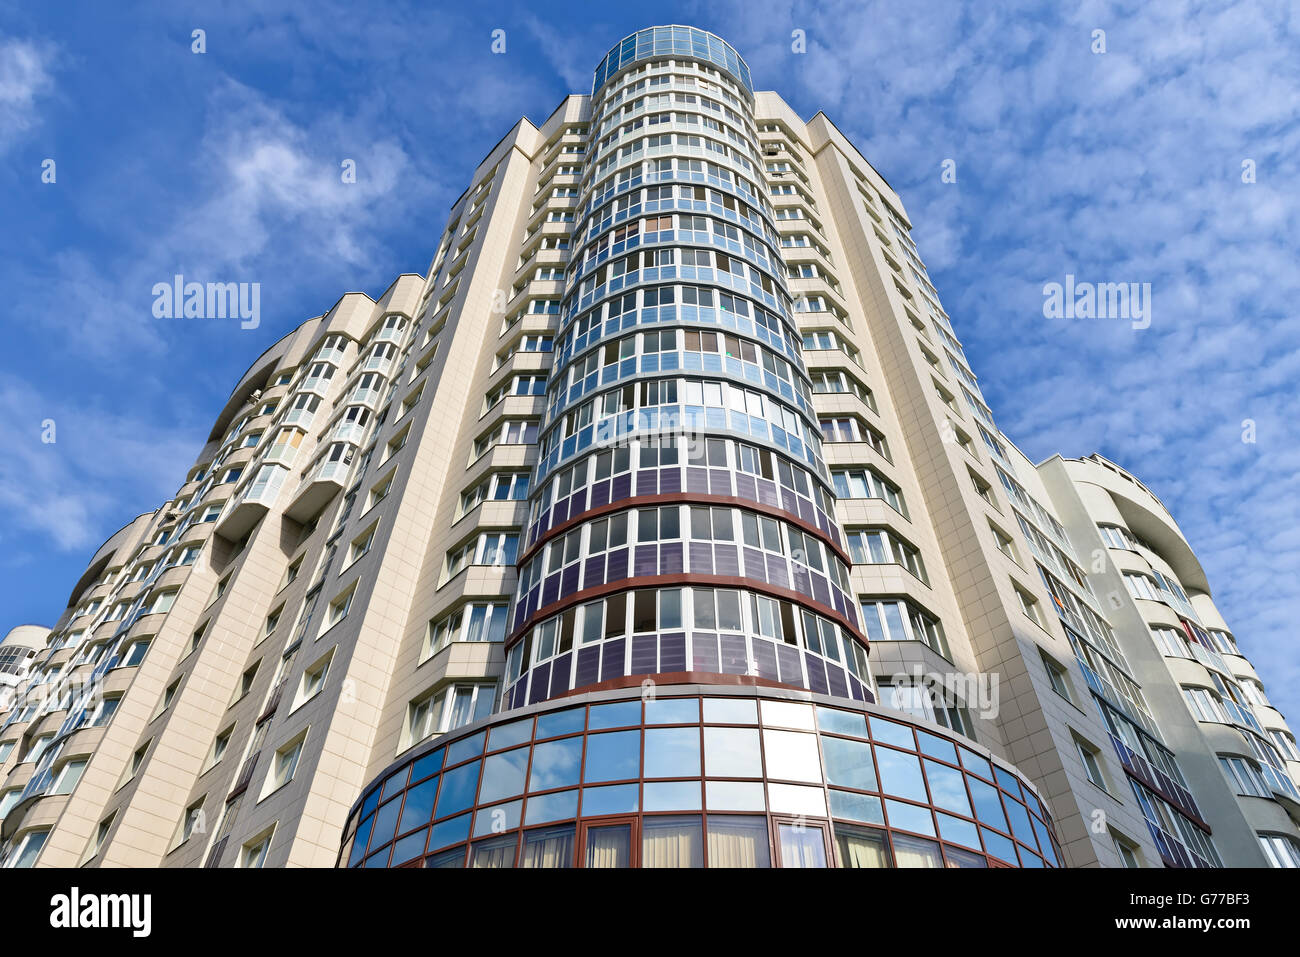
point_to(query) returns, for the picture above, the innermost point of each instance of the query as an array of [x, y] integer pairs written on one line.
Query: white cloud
[[25, 78]]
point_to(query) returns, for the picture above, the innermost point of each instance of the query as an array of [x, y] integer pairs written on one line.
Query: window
[[1057, 676], [449, 709], [338, 608], [867, 483], [8, 799], [101, 833], [1126, 849], [878, 546], [193, 821], [477, 622], [135, 653], [28, 848], [1028, 604], [1091, 765], [246, 680], [380, 491], [893, 619], [6, 749], [1140, 586], [361, 544], [1281, 850], [313, 679], [283, 765], [160, 603], [168, 697], [1004, 543], [1245, 776], [253, 854], [219, 745], [1205, 705], [490, 548], [137, 761], [37, 748]]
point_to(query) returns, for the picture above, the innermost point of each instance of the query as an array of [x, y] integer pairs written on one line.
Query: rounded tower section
[[681, 519]]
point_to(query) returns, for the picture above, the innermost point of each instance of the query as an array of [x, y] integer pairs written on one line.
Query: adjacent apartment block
[[662, 524]]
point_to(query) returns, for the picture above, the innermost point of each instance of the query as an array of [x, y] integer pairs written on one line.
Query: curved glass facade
[[672, 41], [699, 776], [681, 516]]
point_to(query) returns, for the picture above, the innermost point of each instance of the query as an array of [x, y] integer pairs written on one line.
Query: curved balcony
[[690, 775], [317, 488]]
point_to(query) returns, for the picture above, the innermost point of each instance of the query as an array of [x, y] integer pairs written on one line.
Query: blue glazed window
[[458, 789], [556, 764], [614, 756]]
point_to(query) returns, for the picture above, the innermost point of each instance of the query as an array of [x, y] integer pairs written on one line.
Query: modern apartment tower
[[662, 524]]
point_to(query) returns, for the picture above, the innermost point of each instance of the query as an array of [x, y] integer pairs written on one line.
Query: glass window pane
[[861, 847], [735, 796], [496, 852], [672, 796], [738, 841], [458, 788], [916, 852], [555, 764], [494, 820], [849, 764], [732, 753], [450, 832], [787, 714], [988, 807], [618, 714], [856, 807], [672, 710], [503, 775], [842, 722], [608, 846], [419, 805], [801, 846], [900, 774], [947, 789], [672, 752], [560, 722], [611, 799], [791, 755], [613, 756], [796, 799], [909, 817], [671, 842], [890, 732], [552, 807], [508, 735], [957, 830], [548, 847], [730, 711]]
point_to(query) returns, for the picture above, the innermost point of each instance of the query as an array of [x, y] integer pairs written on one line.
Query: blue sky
[[1124, 166]]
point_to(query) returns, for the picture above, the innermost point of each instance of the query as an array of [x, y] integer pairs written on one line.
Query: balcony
[[381, 364], [317, 488], [349, 432], [299, 417], [255, 501], [366, 397]]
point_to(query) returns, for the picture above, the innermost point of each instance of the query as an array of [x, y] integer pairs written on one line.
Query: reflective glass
[[672, 752], [900, 774], [555, 764], [732, 753], [849, 764]]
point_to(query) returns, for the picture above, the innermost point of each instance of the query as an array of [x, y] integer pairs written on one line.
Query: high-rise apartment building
[[661, 524]]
